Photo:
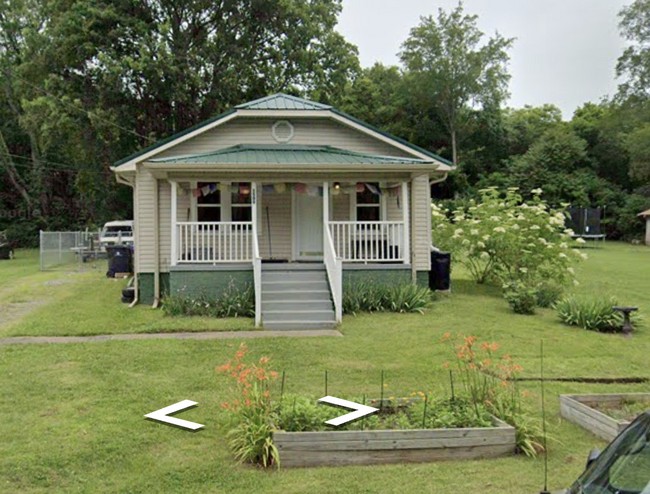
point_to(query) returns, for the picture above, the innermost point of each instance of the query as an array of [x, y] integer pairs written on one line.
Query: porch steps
[[296, 296]]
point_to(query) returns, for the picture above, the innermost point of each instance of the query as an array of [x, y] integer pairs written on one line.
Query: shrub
[[234, 302], [595, 314], [251, 410], [547, 293], [366, 296], [521, 298], [505, 238]]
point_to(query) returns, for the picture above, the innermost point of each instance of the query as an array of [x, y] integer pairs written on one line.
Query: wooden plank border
[[337, 448], [578, 409]]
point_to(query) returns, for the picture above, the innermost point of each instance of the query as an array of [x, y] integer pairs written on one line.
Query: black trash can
[[5, 252], [440, 274], [120, 259]]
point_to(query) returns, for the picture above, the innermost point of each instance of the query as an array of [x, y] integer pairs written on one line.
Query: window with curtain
[[240, 201], [208, 207], [368, 205]]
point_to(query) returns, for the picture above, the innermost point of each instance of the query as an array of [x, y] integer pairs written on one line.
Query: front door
[[308, 227]]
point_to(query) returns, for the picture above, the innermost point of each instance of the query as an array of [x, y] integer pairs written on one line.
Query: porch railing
[[369, 241], [334, 267], [200, 242]]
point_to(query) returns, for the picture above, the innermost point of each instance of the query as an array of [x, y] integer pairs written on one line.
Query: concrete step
[[284, 285], [294, 276], [286, 266], [297, 325], [307, 315], [294, 295], [293, 305]]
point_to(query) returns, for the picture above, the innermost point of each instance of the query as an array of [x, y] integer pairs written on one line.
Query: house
[[287, 195], [646, 216]]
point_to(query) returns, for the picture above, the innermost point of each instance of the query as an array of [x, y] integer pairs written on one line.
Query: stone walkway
[[223, 335]]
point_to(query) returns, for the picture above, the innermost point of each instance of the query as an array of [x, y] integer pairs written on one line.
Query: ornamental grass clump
[[594, 314], [251, 410], [489, 378], [502, 238], [233, 302], [368, 296]]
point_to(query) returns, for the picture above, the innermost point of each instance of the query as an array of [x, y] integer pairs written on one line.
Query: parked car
[[623, 467], [116, 232]]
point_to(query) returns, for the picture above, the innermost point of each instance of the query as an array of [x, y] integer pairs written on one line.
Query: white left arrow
[[360, 410], [162, 415]]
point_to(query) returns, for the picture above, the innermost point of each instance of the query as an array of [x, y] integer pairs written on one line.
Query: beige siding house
[[292, 197]]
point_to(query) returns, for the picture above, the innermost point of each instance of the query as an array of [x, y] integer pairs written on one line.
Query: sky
[[565, 51]]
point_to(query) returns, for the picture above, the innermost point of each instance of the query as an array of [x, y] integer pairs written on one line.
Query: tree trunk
[[454, 150], [14, 177]]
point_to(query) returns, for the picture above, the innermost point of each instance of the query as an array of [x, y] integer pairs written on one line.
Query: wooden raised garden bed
[[336, 448], [581, 410]]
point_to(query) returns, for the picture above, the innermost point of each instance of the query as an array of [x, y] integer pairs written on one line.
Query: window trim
[[381, 205], [225, 204]]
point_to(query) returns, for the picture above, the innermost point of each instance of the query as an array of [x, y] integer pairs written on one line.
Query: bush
[[521, 298], [504, 238], [595, 314], [547, 293], [234, 302], [366, 296]]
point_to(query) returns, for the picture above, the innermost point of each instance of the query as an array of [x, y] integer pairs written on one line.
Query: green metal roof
[[282, 101], [287, 154]]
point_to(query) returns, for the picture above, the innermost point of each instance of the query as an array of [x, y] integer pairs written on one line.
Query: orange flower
[[485, 346], [504, 383], [266, 394], [223, 368], [494, 347], [264, 360], [446, 365], [445, 337]]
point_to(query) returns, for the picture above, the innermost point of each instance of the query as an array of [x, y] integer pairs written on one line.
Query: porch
[[330, 224]]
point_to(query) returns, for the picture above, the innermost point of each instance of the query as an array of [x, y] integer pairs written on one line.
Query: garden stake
[[326, 393], [282, 389], [541, 375], [424, 415], [451, 380], [381, 400]]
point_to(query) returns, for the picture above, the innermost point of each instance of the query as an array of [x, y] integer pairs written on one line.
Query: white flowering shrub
[[502, 237]]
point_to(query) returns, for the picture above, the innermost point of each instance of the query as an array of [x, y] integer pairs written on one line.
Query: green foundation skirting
[[211, 283], [145, 287]]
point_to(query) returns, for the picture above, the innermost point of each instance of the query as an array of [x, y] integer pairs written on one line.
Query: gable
[[307, 132]]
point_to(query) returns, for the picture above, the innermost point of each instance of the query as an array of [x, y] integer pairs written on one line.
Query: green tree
[[634, 63], [453, 70]]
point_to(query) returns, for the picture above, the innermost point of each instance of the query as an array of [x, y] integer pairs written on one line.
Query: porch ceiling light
[[337, 185]]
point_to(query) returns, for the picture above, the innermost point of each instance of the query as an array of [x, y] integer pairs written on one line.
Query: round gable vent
[[282, 131]]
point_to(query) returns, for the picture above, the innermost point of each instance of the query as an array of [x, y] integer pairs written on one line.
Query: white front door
[[307, 227]]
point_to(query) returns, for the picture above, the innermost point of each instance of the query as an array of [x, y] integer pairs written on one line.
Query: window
[[368, 204], [208, 207], [240, 201]]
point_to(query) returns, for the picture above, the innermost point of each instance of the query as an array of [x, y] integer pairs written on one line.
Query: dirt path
[[223, 335]]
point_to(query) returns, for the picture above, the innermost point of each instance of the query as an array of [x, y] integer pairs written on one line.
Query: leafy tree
[[453, 70], [634, 64], [526, 125]]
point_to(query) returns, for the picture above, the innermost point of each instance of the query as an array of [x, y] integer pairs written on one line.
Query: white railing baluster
[[368, 241]]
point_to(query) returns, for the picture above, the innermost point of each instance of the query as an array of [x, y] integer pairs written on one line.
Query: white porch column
[[254, 205], [406, 218], [174, 253], [326, 206]]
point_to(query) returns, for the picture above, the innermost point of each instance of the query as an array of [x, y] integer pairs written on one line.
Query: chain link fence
[[71, 250]]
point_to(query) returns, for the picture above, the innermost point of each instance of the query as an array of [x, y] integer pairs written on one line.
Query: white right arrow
[[360, 410]]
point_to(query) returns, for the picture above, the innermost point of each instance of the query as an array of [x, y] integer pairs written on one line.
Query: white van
[[116, 232]]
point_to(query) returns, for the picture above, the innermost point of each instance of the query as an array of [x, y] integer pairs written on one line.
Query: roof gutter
[[302, 168]]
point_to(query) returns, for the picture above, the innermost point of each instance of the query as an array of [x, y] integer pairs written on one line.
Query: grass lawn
[[73, 303], [72, 420]]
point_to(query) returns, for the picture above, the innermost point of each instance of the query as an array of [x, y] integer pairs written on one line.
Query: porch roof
[[288, 155]]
